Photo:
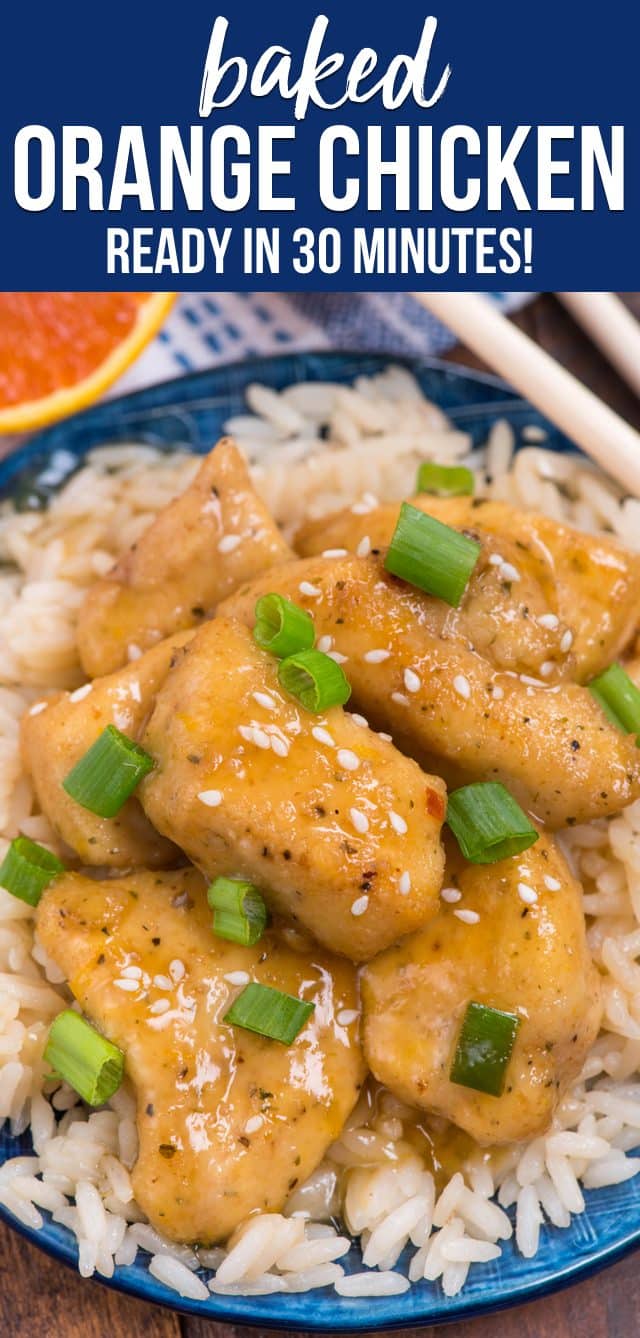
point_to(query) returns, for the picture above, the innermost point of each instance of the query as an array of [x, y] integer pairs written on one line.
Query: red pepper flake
[[435, 804]]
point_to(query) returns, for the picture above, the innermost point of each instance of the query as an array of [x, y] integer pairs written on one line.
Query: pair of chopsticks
[[590, 423]]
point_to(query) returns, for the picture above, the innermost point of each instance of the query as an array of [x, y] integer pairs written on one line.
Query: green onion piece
[[431, 555], [445, 480], [484, 1048], [487, 823], [281, 627], [619, 698], [108, 773], [239, 913], [315, 679], [27, 869], [269, 1013], [85, 1059]]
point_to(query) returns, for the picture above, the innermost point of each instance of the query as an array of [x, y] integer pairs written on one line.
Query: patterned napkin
[[208, 328]]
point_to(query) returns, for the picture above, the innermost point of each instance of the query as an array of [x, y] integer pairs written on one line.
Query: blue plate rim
[[247, 1310], [168, 1300], [11, 464]]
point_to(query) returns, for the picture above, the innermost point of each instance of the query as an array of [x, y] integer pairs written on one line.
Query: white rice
[[312, 447]]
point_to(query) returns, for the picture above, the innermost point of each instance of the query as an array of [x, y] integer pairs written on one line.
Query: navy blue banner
[[338, 147]]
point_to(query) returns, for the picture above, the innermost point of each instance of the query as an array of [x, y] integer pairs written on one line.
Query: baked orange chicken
[[305, 806]]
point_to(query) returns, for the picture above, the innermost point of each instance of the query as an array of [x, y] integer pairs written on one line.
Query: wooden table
[[39, 1299]]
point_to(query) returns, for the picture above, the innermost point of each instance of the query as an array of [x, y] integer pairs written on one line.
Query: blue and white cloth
[[209, 328]]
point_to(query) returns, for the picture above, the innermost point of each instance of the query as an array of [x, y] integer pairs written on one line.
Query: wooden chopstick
[[612, 327], [606, 437]]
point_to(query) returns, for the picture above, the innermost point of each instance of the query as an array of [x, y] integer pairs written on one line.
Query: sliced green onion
[[269, 1013], [431, 555], [239, 913], [484, 1048], [108, 773], [281, 627], [619, 698], [27, 869], [85, 1059], [315, 679], [445, 480], [487, 823]]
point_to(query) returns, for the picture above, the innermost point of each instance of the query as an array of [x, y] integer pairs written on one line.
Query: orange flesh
[[49, 341]]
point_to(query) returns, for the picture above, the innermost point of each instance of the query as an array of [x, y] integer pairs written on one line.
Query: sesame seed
[[265, 699], [238, 978], [324, 644], [527, 894], [80, 693], [364, 547], [306, 588], [38, 707], [346, 1016], [359, 820], [386, 737], [412, 681], [551, 883], [404, 885], [334, 552], [359, 906], [376, 656], [335, 655], [163, 982], [160, 1006], [497, 692], [547, 668], [400, 698], [210, 797], [253, 734], [323, 736], [548, 620], [279, 746], [507, 572], [467, 917], [496, 560], [161, 1023], [451, 894], [176, 970], [367, 503], [359, 720], [133, 652], [229, 542], [399, 825], [566, 641], [531, 682], [345, 758], [256, 1122], [132, 973], [461, 686], [129, 985]]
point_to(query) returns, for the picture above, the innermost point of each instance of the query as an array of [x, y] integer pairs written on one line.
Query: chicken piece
[[203, 545], [528, 959], [589, 582], [338, 829], [229, 1121], [57, 733], [445, 704]]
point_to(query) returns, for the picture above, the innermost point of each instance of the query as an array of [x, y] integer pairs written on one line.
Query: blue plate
[[190, 412]]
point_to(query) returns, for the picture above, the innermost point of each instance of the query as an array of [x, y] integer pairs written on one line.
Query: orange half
[[60, 351]]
